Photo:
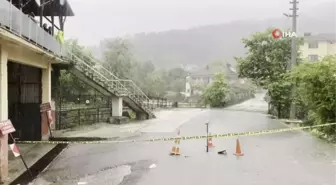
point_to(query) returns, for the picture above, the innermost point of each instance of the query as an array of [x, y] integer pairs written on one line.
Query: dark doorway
[[24, 99]]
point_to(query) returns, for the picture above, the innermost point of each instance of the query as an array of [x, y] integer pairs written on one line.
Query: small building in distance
[[205, 76]]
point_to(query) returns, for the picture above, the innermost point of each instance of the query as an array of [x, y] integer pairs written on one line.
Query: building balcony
[[18, 23]]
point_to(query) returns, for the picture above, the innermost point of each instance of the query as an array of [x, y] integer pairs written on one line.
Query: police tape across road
[[228, 135]]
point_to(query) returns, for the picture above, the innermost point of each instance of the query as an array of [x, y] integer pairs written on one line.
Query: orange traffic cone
[[210, 145], [176, 148], [238, 149]]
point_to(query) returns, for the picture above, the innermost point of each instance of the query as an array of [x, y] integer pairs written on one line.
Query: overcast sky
[[95, 20]]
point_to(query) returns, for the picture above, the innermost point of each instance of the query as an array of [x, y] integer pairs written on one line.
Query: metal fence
[[18, 23], [155, 102], [82, 116], [190, 105], [78, 109]]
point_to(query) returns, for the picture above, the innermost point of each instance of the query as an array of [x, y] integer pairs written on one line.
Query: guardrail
[[18, 23]]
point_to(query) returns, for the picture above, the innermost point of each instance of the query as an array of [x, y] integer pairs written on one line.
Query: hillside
[[197, 46]]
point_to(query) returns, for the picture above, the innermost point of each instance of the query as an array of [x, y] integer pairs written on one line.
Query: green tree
[[76, 50], [267, 58], [147, 67], [217, 65], [280, 92], [70, 84], [316, 84], [267, 64], [155, 85], [217, 93], [118, 58], [176, 79]]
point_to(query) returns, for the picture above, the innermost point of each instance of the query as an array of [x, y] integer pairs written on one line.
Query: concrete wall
[[3, 112], [16, 52], [46, 97]]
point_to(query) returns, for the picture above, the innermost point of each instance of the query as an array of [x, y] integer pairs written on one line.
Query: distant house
[[204, 77], [318, 46]]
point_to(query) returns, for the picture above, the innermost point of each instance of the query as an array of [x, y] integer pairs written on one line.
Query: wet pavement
[[31, 153], [292, 158]]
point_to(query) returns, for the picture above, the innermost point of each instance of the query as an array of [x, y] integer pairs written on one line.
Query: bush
[[316, 86], [216, 94], [315, 93], [220, 94], [280, 94]]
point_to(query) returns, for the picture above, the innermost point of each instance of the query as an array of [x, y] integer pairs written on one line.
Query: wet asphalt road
[[290, 158]]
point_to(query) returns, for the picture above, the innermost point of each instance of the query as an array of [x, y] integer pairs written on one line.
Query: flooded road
[[294, 158]]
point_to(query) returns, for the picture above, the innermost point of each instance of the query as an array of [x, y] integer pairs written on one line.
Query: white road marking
[[81, 183]]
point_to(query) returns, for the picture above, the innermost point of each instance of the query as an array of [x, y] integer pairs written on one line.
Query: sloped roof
[[331, 37], [209, 71], [204, 72]]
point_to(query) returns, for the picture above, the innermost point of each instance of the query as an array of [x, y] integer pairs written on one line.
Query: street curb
[[38, 166], [285, 122], [81, 138]]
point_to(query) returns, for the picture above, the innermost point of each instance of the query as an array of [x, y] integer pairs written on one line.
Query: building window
[[313, 45], [313, 58]]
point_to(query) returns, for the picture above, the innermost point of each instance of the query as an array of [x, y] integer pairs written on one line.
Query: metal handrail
[[102, 67], [119, 82], [72, 55], [138, 88], [97, 62]]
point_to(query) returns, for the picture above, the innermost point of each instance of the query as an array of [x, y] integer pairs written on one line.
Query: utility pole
[[293, 55]]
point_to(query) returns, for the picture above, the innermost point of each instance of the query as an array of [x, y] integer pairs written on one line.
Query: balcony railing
[[18, 23]]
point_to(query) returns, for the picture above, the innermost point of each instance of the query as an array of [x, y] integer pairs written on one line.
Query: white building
[[318, 46], [204, 77]]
